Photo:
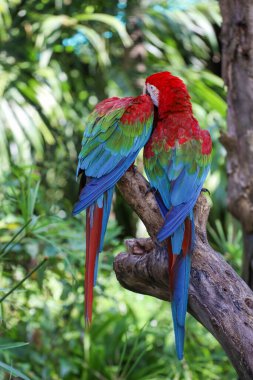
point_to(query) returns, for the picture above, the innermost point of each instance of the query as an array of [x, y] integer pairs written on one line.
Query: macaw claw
[[132, 168], [204, 190], [150, 190]]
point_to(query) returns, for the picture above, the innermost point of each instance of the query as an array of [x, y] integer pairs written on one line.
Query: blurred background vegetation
[[57, 60]]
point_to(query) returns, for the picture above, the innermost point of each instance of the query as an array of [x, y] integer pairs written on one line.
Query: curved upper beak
[[145, 90]]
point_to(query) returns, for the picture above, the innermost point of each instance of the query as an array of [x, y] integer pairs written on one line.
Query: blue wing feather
[[97, 186], [182, 200], [184, 187], [174, 218]]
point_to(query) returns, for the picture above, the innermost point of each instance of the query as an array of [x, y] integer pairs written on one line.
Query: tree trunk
[[237, 71], [218, 297], [135, 68]]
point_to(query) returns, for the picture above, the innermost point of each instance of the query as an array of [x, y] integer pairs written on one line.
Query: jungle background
[[57, 60]]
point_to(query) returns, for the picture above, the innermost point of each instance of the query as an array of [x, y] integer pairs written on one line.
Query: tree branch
[[218, 297]]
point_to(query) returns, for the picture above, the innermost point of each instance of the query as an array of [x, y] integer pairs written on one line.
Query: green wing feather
[[178, 169], [114, 130]]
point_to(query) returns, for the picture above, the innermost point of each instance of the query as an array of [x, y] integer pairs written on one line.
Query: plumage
[[114, 134], [177, 160]]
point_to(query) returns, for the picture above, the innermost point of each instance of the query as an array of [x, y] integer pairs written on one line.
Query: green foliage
[[132, 335], [57, 60], [38, 102], [227, 239], [13, 372]]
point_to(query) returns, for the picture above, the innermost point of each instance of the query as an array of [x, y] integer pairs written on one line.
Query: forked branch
[[218, 297]]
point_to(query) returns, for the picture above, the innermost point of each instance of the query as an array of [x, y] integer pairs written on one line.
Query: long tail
[[96, 221], [180, 250]]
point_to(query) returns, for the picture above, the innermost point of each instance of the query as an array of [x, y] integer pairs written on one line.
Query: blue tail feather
[[177, 240], [96, 270], [179, 301], [181, 275], [107, 208]]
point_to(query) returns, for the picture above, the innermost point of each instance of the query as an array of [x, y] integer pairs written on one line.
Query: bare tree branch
[[218, 297]]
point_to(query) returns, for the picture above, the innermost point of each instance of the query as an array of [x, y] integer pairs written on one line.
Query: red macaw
[[114, 134], [177, 160]]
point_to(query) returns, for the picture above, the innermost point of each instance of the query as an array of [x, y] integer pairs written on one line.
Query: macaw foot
[[150, 190], [132, 168], [204, 190]]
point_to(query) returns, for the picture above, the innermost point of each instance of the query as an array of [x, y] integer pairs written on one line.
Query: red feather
[[173, 94], [187, 237], [93, 234], [175, 123]]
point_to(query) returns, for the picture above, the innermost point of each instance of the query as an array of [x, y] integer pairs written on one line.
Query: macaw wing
[[178, 174], [115, 132]]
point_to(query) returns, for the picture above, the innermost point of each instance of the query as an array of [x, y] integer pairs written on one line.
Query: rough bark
[[237, 71], [218, 297]]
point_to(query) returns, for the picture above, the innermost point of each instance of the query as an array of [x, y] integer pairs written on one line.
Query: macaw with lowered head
[[115, 132], [176, 160]]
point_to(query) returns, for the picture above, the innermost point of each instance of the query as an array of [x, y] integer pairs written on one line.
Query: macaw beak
[[145, 91]]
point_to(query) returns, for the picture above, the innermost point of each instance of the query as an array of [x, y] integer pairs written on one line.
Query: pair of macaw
[[177, 155]]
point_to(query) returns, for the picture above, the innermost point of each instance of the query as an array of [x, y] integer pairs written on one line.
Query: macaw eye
[[152, 87]]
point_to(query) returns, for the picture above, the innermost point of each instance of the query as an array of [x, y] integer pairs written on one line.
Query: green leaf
[[13, 371], [111, 21], [9, 346], [96, 41], [51, 25], [5, 249]]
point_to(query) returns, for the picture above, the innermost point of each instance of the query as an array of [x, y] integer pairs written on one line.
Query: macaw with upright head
[[177, 160], [114, 134]]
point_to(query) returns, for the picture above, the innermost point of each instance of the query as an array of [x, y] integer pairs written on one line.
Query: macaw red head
[[167, 92]]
